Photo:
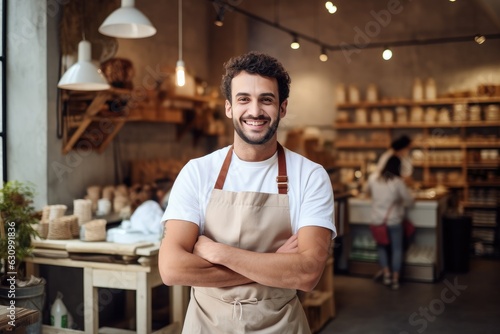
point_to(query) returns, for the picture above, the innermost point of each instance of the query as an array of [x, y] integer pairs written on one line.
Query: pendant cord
[[180, 29]]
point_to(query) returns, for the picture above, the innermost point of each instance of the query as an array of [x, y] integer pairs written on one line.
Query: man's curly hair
[[256, 63]]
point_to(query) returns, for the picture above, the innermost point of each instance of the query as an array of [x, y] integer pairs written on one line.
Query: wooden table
[[141, 277]]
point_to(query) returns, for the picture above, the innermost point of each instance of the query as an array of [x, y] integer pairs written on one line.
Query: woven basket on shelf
[[72, 222], [43, 229], [56, 211], [94, 230], [59, 229]]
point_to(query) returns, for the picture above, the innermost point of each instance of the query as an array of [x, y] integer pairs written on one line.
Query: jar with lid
[[418, 90], [353, 94], [491, 113], [340, 94], [376, 116], [475, 113], [371, 93], [430, 89], [401, 115], [361, 116]]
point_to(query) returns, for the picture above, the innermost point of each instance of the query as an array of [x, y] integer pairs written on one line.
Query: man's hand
[[290, 246], [207, 249]]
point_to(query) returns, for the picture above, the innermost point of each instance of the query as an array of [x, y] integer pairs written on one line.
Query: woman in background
[[390, 196]]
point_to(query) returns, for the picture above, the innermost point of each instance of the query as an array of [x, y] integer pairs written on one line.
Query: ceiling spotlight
[[323, 56], [219, 19], [480, 39], [295, 43], [330, 7], [387, 54]]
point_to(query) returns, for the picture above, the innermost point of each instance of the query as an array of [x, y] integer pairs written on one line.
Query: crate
[[319, 305], [319, 308]]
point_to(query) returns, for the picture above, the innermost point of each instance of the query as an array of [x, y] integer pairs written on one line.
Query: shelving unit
[[450, 150], [92, 119]]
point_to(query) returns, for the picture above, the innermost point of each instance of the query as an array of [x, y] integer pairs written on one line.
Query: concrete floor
[[458, 303]]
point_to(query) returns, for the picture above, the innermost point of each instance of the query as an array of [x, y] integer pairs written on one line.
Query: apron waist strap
[[239, 302]]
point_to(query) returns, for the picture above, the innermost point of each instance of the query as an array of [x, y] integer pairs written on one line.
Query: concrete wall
[[27, 95]]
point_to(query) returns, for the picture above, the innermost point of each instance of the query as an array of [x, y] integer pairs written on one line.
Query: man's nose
[[254, 109]]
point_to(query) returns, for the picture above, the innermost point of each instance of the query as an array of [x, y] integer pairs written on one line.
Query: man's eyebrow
[[267, 94], [261, 95]]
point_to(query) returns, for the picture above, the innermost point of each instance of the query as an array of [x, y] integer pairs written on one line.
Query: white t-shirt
[[385, 194], [309, 187]]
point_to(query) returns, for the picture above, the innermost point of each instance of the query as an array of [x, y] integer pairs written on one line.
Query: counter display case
[[424, 257]]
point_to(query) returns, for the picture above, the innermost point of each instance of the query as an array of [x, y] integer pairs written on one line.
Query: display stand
[[424, 258]]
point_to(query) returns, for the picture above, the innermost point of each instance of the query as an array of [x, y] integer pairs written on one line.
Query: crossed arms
[[191, 260]]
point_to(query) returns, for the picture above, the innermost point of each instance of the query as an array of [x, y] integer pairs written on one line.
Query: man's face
[[255, 108]]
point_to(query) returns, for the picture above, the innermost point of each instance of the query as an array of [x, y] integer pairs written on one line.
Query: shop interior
[[363, 74]]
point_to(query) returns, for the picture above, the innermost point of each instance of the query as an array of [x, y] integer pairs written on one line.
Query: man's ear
[[283, 106], [229, 111]]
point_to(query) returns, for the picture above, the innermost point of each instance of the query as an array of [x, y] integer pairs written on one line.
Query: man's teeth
[[255, 122]]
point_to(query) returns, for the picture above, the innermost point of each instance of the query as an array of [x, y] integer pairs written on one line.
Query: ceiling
[[411, 20]]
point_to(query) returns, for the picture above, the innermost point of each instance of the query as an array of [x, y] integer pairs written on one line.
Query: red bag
[[380, 234], [408, 227]]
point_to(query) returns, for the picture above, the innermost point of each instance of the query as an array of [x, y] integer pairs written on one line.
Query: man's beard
[[270, 132]]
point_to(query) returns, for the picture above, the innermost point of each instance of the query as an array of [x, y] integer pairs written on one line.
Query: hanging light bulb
[[480, 39], [127, 22], [295, 43], [323, 56], [83, 75], [219, 19], [387, 54], [180, 74], [180, 70], [330, 7]]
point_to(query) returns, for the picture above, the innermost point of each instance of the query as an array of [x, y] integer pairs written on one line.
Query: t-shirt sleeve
[[183, 202], [317, 205]]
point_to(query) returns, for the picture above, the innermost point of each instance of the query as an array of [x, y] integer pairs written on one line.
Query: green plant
[[18, 223]]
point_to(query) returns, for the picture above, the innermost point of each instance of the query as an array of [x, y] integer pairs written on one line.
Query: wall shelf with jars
[[456, 144]]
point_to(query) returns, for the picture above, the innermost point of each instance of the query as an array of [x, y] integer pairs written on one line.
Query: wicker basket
[[43, 229], [59, 229], [94, 230], [56, 211], [83, 210]]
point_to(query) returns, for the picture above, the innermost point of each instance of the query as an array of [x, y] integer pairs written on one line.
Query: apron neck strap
[[281, 179]]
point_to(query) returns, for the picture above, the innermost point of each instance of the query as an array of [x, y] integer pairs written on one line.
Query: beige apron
[[258, 222]]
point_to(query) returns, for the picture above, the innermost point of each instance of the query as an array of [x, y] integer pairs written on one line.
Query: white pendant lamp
[[127, 22], [83, 75]]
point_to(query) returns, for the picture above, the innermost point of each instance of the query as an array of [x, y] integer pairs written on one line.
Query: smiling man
[[250, 224]]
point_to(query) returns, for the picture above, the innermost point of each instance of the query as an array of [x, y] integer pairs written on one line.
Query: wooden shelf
[[474, 205], [89, 124], [416, 125], [410, 103], [491, 184], [361, 145]]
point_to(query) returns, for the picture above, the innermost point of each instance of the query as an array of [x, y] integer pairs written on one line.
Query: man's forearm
[[190, 270]]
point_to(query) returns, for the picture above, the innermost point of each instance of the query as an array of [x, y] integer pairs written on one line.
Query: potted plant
[[18, 225]]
